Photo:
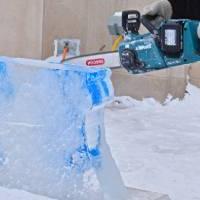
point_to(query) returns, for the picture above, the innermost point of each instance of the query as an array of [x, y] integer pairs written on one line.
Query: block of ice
[[51, 125]]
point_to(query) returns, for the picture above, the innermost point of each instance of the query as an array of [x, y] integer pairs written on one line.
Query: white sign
[[170, 37]]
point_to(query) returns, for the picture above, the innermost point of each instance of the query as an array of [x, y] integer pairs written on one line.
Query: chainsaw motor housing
[[174, 42]]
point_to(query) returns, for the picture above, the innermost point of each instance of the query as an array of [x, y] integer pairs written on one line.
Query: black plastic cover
[[131, 21], [171, 36]]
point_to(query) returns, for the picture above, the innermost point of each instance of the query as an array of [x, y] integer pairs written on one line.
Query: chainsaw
[[172, 43]]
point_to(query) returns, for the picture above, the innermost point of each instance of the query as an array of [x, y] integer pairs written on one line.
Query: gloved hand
[[158, 11]]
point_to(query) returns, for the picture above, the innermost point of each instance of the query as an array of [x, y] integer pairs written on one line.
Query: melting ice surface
[[51, 128]]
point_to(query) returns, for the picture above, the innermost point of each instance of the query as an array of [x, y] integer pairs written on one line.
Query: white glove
[[159, 10]]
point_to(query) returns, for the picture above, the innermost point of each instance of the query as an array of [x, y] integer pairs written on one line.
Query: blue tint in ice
[[51, 127]]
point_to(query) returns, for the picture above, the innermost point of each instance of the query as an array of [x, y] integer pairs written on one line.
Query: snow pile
[[157, 148], [46, 144]]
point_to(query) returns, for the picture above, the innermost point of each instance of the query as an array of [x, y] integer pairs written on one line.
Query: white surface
[[157, 147], [110, 60]]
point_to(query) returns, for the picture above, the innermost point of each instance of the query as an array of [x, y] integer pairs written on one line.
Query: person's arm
[[179, 8]]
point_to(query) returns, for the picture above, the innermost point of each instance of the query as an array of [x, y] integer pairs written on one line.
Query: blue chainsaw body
[[149, 52]]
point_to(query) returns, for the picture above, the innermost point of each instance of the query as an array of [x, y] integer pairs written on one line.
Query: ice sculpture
[[51, 128]]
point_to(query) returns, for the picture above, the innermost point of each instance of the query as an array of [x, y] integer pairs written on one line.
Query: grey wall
[[28, 27], [21, 28]]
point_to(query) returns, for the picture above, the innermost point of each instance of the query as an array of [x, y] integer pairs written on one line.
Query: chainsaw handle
[[146, 21], [131, 21]]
